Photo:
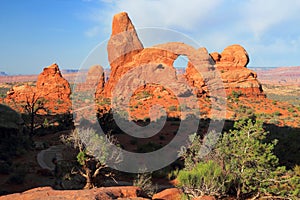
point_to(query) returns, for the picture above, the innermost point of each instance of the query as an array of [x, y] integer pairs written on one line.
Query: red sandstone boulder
[[205, 198], [233, 56], [47, 193], [232, 63], [168, 194]]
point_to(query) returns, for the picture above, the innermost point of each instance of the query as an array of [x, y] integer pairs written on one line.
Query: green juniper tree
[[247, 160], [94, 152], [242, 162]]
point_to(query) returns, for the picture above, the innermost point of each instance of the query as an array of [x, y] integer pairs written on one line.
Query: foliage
[[206, 178], [143, 181], [283, 184], [242, 163], [173, 174], [81, 157], [236, 94], [172, 108], [191, 155], [198, 148], [32, 105], [105, 101], [248, 160], [143, 95], [94, 152], [276, 113]]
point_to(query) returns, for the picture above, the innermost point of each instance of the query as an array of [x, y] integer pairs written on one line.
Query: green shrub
[[204, 179], [143, 95], [236, 94], [144, 182], [173, 174], [276, 113], [172, 108], [291, 110], [105, 101], [248, 160]]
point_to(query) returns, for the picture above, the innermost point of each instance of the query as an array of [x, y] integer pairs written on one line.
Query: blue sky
[[35, 33]]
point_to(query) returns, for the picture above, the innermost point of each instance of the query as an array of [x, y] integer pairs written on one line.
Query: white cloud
[[257, 25], [165, 13], [260, 16], [94, 31]]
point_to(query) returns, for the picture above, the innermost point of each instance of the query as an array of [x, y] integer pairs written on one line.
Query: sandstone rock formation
[[108, 193], [50, 87], [135, 69], [122, 46], [233, 56], [93, 80], [53, 87], [232, 63], [168, 194], [126, 54]]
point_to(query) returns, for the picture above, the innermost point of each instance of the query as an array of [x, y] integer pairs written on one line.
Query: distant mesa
[[3, 74], [68, 71], [279, 75]]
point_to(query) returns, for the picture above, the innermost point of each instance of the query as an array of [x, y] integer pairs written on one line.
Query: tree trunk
[[89, 179], [32, 122], [238, 192]]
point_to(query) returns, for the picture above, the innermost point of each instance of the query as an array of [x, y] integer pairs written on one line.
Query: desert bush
[[276, 113], [105, 101], [172, 108], [94, 152], [198, 149], [144, 94], [242, 163], [144, 182], [206, 178], [274, 121], [291, 110], [236, 94], [173, 174], [283, 184]]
